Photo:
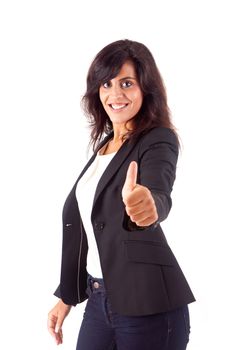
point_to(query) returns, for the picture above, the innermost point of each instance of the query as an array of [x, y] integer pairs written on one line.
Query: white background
[[46, 48]]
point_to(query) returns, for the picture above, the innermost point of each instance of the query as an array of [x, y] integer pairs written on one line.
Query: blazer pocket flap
[[149, 253]]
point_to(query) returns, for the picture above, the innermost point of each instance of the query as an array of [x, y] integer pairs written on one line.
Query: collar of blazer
[[112, 167]]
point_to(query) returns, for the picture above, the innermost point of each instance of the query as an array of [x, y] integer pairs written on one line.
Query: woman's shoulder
[[160, 134], [159, 139]]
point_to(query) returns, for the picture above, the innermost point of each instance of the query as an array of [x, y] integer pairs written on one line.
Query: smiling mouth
[[117, 107]]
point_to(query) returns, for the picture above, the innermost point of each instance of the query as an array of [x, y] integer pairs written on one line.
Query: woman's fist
[[139, 203]]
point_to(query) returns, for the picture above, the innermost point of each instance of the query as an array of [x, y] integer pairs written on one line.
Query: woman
[[114, 250]]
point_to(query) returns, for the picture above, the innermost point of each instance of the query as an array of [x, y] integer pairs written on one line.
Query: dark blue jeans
[[103, 329]]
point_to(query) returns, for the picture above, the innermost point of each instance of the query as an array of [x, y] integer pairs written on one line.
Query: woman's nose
[[116, 91]]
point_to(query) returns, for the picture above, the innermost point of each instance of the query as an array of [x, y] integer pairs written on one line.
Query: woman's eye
[[106, 84], [126, 84]]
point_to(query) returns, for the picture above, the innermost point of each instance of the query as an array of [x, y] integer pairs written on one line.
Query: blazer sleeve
[[57, 292], [158, 156]]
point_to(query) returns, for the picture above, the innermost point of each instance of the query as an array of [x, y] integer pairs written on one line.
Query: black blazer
[[140, 272]]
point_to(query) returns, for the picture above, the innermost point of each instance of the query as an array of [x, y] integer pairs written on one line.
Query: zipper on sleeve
[[79, 261]]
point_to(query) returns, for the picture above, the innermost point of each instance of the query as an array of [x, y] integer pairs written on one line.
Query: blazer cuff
[[57, 292], [163, 205]]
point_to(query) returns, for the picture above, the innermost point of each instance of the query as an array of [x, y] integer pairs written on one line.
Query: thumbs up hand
[[139, 203]]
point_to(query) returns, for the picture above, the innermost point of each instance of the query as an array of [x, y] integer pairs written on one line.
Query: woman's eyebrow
[[128, 78]]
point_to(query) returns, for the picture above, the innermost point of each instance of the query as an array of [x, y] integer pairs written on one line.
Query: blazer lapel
[[112, 168], [102, 143]]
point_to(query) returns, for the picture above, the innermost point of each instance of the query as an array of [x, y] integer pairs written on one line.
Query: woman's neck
[[112, 146], [121, 130], [119, 136]]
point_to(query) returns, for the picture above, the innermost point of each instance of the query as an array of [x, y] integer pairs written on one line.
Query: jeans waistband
[[96, 284]]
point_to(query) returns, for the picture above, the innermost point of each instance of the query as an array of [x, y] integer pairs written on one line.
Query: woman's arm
[[149, 202]]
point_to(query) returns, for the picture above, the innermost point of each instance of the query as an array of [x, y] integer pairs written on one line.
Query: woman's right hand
[[55, 320]]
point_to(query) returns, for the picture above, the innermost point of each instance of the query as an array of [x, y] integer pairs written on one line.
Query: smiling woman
[[114, 250], [127, 69], [122, 98]]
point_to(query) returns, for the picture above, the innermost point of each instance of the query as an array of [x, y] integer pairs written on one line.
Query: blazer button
[[99, 226], [96, 285]]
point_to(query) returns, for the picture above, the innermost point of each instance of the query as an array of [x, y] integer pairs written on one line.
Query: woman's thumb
[[131, 179]]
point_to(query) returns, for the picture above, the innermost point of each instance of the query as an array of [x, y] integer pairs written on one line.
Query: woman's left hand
[[139, 203]]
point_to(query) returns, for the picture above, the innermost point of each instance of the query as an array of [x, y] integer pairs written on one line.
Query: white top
[[85, 192]]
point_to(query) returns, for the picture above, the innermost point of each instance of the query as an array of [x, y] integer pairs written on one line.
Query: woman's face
[[122, 97]]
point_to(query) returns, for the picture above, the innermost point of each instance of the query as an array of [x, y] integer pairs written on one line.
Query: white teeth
[[118, 106]]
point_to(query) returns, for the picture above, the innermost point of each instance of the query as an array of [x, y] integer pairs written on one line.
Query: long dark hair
[[154, 111]]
